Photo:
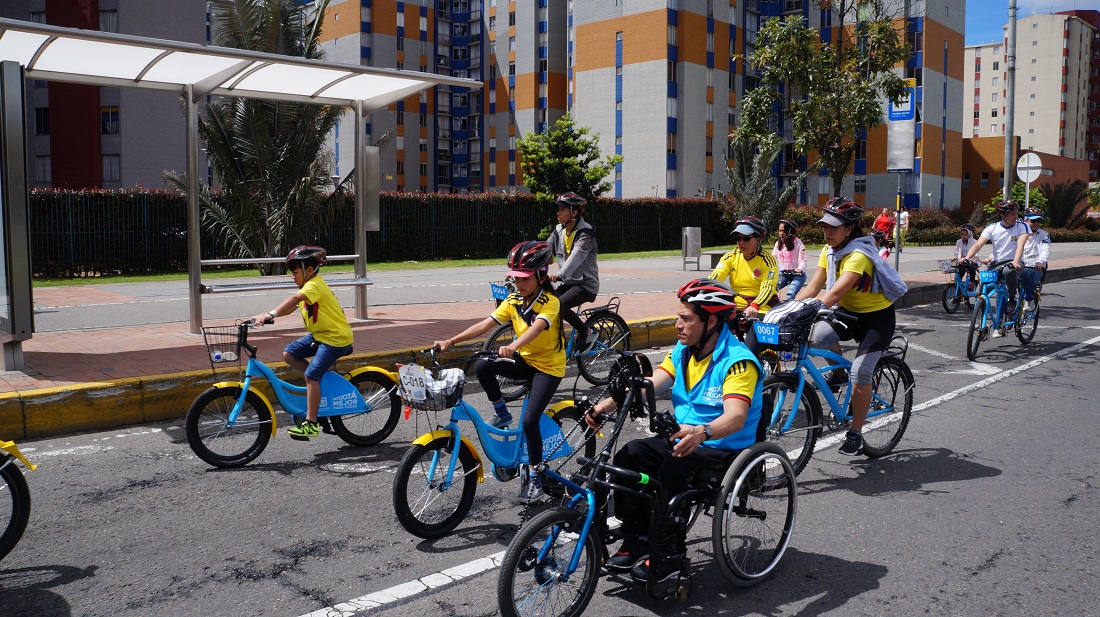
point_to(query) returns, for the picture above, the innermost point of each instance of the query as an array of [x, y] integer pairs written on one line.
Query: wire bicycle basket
[[422, 390], [949, 267], [223, 344]]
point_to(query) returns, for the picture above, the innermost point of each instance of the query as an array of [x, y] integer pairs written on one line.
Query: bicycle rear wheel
[[378, 421], [532, 574], [613, 336], [15, 504], [979, 328], [798, 439], [891, 407], [1027, 324], [510, 389], [950, 298], [221, 445]]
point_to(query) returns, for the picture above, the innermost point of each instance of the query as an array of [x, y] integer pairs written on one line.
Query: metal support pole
[[897, 227], [194, 268], [368, 184], [1010, 99]]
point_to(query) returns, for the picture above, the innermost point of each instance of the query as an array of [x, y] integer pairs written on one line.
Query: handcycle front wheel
[[1026, 326], [211, 437], [370, 427], [754, 514], [613, 336], [423, 506], [510, 389], [799, 438], [979, 328], [15, 505], [891, 407], [533, 573]]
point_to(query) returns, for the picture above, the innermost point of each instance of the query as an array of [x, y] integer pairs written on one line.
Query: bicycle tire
[[754, 514], [950, 298], [799, 440], [220, 445], [584, 440], [510, 389], [370, 427], [1025, 332], [16, 512], [892, 384], [527, 586], [978, 328], [426, 492], [613, 337]]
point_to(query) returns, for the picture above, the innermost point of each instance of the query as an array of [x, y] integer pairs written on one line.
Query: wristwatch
[[708, 431]]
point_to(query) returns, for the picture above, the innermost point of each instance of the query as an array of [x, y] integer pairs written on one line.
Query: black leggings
[[543, 387], [570, 297]]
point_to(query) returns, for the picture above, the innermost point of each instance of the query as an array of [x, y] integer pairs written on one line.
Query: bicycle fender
[[12, 449], [392, 376], [427, 438], [556, 409], [238, 385]]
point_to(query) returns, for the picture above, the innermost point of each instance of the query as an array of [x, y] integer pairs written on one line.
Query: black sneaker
[[530, 491], [1010, 308], [633, 551], [853, 444], [837, 379], [666, 573]]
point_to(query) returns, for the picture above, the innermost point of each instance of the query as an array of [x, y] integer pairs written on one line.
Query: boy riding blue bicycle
[[329, 337]]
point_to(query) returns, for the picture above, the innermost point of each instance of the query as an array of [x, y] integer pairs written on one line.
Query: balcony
[[792, 6]]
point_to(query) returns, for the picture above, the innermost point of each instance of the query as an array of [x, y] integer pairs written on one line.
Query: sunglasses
[[742, 238]]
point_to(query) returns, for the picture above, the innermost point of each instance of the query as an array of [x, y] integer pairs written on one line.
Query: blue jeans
[[1028, 278], [324, 356], [793, 283]]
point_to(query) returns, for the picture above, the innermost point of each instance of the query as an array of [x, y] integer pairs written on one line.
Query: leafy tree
[[1063, 199], [1037, 201], [753, 190], [831, 91], [564, 158], [269, 156]]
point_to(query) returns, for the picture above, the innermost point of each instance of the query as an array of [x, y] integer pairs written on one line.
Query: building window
[[399, 143], [710, 146], [400, 117], [400, 168], [860, 185], [108, 21], [670, 143], [42, 169], [41, 120], [996, 67], [966, 180], [994, 113], [672, 71], [400, 43], [985, 180], [423, 144], [423, 169], [977, 114], [511, 18], [111, 172], [109, 120]]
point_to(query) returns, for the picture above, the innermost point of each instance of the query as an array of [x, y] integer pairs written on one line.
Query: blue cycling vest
[[703, 404]]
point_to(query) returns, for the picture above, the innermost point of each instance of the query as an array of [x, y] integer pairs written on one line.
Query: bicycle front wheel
[[533, 576], [15, 505], [213, 439], [424, 504], [979, 329], [795, 423], [891, 407], [950, 298], [379, 392], [510, 389], [612, 336], [1027, 323]]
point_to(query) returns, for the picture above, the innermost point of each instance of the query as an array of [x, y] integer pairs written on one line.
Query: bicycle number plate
[[766, 333], [988, 276], [413, 382]]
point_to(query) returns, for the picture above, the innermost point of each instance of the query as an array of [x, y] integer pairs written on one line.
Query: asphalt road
[[988, 507]]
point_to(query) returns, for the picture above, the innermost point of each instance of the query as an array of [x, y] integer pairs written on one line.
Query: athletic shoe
[[998, 333], [500, 421], [1029, 306], [530, 491], [853, 444], [1010, 308], [667, 572], [837, 379], [633, 552], [305, 430], [590, 340]]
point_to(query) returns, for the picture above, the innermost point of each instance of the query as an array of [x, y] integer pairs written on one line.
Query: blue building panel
[[860, 167], [670, 161], [618, 87], [619, 125], [672, 89], [672, 125]]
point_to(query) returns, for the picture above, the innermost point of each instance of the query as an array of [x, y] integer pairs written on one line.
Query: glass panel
[[186, 68], [93, 58]]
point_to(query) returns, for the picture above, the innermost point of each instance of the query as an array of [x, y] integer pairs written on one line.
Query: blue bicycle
[[990, 315], [438, 476], [232, 422], [795, 409], [957, 290]]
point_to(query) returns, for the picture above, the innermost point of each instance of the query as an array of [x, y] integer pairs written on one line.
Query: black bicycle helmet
[[1005, 208], [1034, 214], [308, 253], [792, 227], [968, 227], [572, 201], [749, 226], [530, 256], [878, 234], [709, 297], [841, 211]]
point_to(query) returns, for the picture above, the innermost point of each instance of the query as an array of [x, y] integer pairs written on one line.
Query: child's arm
[[529, 335], [285, 307], [473, 331]]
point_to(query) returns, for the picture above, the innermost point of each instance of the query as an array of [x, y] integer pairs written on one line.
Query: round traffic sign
[[1029, 167]]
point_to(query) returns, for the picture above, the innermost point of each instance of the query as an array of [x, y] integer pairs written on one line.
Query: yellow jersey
[[546, 352]]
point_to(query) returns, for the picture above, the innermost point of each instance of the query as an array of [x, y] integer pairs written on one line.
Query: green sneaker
[[305, 430]]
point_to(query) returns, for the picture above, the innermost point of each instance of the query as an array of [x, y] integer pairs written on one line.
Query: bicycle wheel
[[891, 406], [1025, 327], [379, 392], [533, 573], [583, 438], [799, 438], [221, 445], [613, 336], [15, 505], [501, 336], [950, 298], [979, 329], [754, 514], [424, 506]]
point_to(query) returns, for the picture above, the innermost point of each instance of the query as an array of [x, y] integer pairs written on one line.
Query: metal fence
[[84, 233]]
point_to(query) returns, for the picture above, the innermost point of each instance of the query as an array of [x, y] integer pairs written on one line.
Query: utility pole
[[1010, 100]]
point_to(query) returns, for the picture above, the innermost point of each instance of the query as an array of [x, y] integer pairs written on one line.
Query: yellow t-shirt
[[740, 382], [569, 241], [754, 280], [323, 316], [546, 353], [859, 299]]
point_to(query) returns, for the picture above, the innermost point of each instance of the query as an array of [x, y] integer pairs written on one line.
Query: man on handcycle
[[1008, 237], [716, 392]]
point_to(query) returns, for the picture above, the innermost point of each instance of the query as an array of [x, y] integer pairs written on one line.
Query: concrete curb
[[111, 404]]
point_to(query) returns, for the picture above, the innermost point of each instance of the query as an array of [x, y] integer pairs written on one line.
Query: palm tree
[[1062, 201], [753, 190], [269, 156]]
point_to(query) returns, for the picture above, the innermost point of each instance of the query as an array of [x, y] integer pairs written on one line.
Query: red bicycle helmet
[[572, 201], [528, 257], [709, 297], [308, 252], [841, 211], [1005, 208]]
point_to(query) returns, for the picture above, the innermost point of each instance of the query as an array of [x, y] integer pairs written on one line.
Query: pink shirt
[[793, 259]]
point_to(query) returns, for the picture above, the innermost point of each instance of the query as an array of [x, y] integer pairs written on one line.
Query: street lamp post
[[930, 200]]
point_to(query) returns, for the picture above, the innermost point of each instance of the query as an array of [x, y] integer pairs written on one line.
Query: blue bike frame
[[338, 396]]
